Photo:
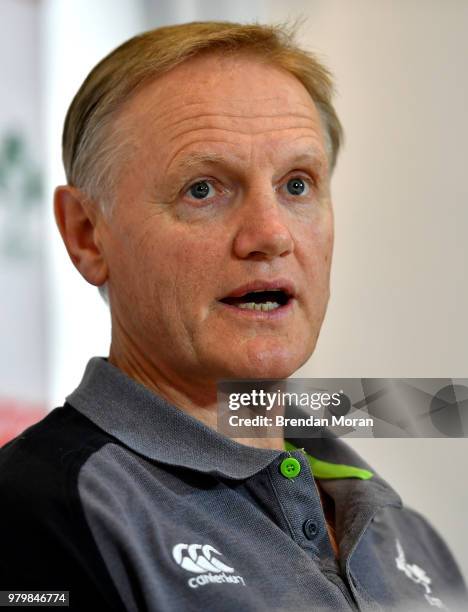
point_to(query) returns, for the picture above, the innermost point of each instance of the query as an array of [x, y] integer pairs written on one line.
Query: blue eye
[[297, 186], [200, 190]]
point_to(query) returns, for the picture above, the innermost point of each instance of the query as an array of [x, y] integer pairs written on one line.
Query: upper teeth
[[254, 306]]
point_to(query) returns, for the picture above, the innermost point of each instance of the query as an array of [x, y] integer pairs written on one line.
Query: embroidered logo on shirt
[[200, 559], [417, 575]]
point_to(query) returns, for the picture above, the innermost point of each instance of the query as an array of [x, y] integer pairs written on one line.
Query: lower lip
[[261, 315]]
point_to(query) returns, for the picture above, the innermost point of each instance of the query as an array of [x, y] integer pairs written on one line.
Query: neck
[[200, 403]]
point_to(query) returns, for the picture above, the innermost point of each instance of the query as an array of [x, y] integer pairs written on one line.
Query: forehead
[[222, 99]]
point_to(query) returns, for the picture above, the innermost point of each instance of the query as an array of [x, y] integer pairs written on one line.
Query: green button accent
[[290, 467], [327, 470]]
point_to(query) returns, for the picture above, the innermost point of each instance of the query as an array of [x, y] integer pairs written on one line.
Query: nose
[[263, 228]]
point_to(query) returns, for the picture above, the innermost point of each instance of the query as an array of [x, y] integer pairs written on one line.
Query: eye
[[297, 186], [201, 190]]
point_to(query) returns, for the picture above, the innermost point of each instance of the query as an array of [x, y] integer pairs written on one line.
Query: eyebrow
[[197, 158], [312, 156]]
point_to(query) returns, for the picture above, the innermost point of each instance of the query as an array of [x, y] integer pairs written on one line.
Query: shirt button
[[310, 529], [290, 467]]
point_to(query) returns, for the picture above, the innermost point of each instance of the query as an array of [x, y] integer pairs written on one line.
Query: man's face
[[226, 193]]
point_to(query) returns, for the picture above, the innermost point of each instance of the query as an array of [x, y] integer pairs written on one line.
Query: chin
[[270, 362]]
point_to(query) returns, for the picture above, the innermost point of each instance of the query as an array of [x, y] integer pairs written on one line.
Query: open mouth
[[264, 301]]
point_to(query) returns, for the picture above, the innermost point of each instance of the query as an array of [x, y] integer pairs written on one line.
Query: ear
[[79, 222]]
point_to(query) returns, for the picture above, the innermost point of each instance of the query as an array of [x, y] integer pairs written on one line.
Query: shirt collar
[[151, 426]]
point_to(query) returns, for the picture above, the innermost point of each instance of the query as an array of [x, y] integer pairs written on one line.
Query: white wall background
[[75, 35], [22, 295], [399, 294]]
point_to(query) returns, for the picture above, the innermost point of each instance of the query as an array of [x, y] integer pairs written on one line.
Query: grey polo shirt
[[131, 504]]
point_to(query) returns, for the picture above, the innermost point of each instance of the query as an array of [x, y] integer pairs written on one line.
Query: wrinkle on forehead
[[193, 104], [234, 130], [225, 106], [259, 124], [199, 156], [207, 150], [169, 111]]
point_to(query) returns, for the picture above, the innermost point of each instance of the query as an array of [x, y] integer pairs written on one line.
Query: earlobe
[[78, 222]]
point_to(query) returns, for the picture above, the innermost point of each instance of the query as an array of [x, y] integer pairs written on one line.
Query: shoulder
[[415, 539], [46, 542], [53, 442], [38, 461], [39, 470], [417, 526]]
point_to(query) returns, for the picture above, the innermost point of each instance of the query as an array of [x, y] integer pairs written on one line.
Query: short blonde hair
[[91, 145]]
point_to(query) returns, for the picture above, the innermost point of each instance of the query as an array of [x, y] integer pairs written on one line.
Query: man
[[198, 161]]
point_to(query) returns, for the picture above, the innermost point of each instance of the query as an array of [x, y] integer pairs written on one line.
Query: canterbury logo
[[199, 558]]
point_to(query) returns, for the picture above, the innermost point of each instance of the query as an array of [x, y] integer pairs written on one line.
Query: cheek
[[181, 267], [136, 260], [328, 249], [316, 249]]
